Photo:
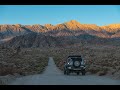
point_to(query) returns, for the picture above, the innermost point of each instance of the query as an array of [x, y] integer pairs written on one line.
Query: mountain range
[[67, 33]]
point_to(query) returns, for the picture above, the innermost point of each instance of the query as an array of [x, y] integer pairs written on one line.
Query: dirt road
[[53, 76]]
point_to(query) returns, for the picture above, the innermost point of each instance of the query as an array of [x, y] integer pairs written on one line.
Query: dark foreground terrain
[[102, 63], [53, 76]]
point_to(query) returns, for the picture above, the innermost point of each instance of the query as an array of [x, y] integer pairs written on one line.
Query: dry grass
[[100, 60], [28, 61]]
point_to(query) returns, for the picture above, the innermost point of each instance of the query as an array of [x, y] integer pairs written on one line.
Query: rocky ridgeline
[[92, 29], [64, 34]]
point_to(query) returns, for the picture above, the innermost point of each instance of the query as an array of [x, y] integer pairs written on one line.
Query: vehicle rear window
[[79, 59]]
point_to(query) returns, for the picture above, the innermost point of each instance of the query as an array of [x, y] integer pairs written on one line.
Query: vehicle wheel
[[83, 72], [78, 73], [68, 72], [64, 72]]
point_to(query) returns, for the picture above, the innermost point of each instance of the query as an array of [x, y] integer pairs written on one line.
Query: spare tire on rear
[[76, 63]]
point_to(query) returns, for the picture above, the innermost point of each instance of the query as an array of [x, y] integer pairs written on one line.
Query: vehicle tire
[[67, 72], [64, 72], [76, 64], [83, 72], [78, 73]]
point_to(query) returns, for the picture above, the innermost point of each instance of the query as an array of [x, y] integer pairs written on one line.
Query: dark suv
[[74, 64]]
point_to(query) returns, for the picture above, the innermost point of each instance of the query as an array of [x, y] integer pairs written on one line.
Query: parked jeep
[[74, 64]]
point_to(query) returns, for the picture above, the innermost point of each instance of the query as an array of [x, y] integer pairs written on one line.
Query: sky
[[56, 14]]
